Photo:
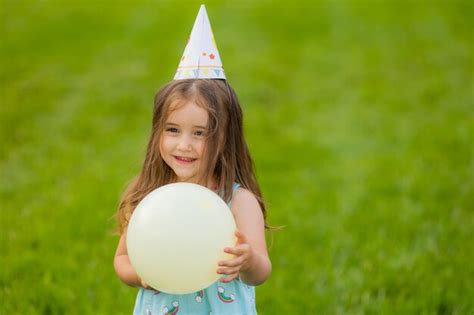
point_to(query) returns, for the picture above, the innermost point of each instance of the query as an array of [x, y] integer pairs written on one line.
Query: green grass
[[359, 115]]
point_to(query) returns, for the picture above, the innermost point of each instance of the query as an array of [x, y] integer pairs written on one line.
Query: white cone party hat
[[201, 58]]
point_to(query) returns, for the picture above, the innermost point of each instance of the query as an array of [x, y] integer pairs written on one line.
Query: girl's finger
[[232, 250], [237, 250], [228, 271], [229, 278], [240, 237], [232, 262]]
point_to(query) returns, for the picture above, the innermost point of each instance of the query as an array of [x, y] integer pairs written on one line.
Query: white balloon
[[177, 235]]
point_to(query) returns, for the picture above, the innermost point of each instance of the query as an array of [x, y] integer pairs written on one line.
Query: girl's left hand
[[243, 255]]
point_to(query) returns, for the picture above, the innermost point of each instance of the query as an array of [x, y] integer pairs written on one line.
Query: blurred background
[[359, 116]]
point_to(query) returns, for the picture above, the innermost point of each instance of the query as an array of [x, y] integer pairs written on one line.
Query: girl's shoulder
[[244, 200], [243, 193]]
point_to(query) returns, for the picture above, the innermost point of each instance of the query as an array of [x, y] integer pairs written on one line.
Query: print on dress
[[173, 311], [199, 296], [224, 298]]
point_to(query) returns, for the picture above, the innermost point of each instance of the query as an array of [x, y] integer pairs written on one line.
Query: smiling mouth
[[184, 159]]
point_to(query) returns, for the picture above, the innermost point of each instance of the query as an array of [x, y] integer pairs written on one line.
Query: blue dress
[[233, 298]]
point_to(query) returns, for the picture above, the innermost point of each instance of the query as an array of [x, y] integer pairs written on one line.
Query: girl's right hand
[[144, 284]]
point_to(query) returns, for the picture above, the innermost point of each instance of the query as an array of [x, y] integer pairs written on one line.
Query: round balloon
[[177, 235]]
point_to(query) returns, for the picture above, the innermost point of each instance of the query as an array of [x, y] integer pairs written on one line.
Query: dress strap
[[235, 186]]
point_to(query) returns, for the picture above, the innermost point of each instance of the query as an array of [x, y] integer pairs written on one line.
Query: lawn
[[359, 116]]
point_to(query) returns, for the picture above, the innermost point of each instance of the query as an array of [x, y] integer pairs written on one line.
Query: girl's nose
[[184, 143]]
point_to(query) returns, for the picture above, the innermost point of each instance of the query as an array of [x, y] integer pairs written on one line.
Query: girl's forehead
[[187, 111]]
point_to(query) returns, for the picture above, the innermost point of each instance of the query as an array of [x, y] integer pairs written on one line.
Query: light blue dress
[[233, 298]]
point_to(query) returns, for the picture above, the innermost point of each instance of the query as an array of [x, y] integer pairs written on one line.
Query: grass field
[[360, 119]]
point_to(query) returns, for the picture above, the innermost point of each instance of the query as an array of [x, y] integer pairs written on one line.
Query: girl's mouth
[[185, 160]]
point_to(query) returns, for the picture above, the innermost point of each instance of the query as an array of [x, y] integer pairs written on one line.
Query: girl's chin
[[186, 178]]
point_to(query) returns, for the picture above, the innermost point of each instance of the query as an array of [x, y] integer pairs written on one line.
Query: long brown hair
[[227, 155]]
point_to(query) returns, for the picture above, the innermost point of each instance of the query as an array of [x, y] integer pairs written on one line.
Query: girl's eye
[[199, 133], [172, 130]]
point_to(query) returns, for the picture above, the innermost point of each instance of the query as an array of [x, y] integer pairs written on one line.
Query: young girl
[[197, 137]]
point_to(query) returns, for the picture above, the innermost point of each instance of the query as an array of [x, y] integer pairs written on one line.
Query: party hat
[[201, 58]]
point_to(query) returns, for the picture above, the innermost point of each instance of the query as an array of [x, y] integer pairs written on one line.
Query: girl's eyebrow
[[195, 126]]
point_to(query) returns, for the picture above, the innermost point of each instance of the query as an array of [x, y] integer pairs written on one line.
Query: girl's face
[[183, 141]]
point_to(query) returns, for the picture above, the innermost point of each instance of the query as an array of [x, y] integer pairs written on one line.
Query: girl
[[197, 137]]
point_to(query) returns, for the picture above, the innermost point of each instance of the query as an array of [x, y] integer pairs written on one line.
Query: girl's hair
[[226, 156]]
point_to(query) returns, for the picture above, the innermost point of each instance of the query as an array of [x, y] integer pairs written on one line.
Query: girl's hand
[[243, 256], [144, 284]]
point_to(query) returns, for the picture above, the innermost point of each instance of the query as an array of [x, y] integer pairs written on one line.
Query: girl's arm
[[252, 263], [123, 267]]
